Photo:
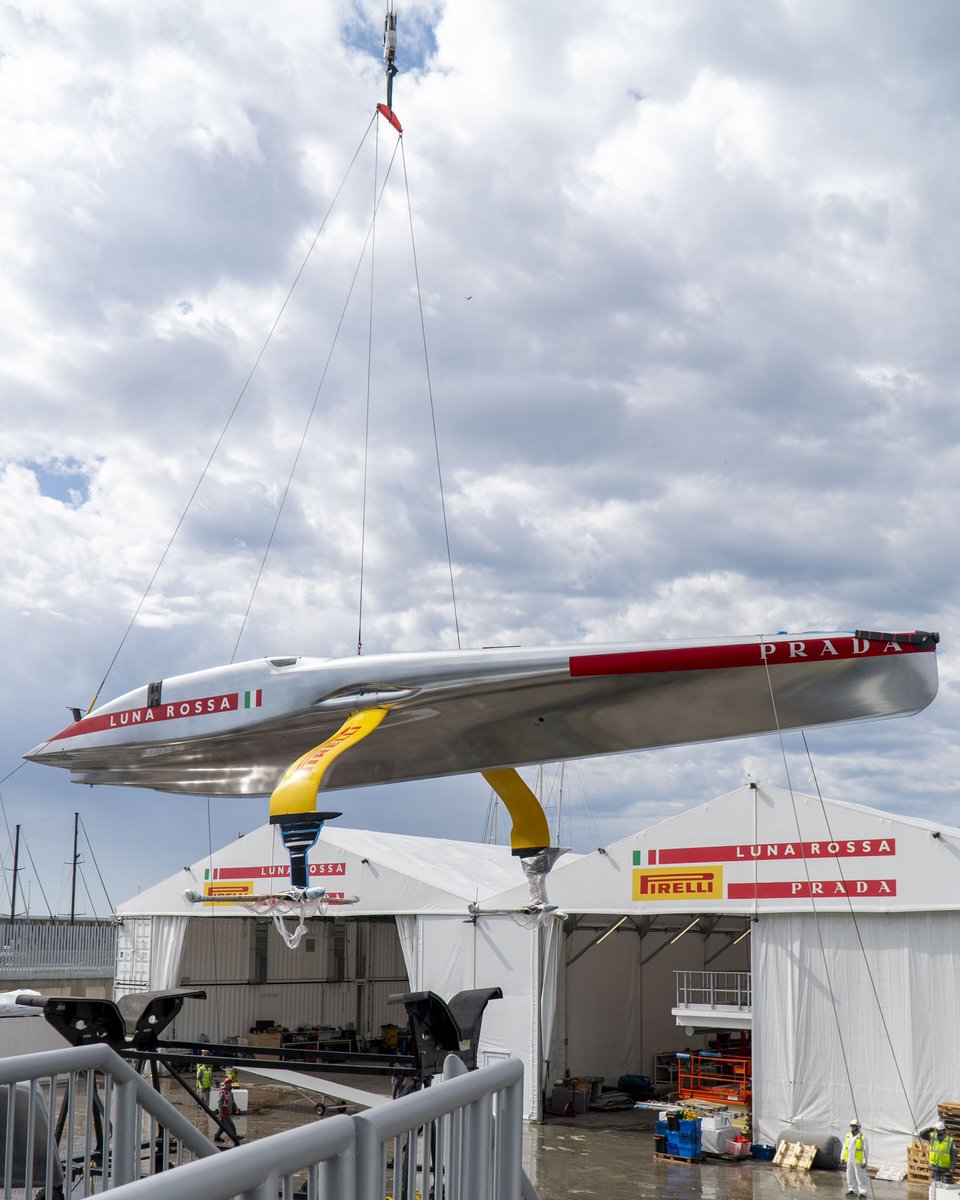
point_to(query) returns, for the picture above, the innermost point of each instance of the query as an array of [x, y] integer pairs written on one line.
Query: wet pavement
[[610, 1156], [606, 1155]]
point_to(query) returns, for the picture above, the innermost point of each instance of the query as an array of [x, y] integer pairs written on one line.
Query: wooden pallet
[[918, 1162], [795, 1155], [675, 1158]]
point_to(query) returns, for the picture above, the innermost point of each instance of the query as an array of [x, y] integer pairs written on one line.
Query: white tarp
[[407, 933], [863, 1027], [166, 951], [495, 950]]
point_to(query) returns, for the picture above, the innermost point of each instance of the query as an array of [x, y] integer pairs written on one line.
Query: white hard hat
[[939, 1125], [854, 1124]]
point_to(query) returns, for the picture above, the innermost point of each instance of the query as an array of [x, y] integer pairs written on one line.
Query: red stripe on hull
[[129, 718], [739, 654]]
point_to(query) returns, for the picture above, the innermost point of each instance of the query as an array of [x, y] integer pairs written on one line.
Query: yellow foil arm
[[530, 831], [297, 790]]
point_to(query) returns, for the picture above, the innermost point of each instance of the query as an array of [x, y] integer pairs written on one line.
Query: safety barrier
[[461, 1139], [714, 989], [81, 1120]]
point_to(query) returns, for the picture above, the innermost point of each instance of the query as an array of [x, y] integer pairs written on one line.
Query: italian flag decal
[[253, 699]]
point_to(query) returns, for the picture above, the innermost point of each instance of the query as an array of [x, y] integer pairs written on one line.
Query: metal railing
[[46, 950], [83, 1121], [460, 1139], [714, 989]]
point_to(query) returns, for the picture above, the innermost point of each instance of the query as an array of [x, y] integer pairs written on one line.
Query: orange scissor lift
[[718, 1079]]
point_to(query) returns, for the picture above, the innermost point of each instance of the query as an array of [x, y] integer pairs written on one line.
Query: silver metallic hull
[[234, 730]]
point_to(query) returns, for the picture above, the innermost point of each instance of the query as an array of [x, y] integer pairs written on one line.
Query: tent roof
[[754, 850], [765, 849], [390, 873]]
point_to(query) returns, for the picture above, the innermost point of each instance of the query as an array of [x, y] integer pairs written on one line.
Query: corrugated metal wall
[[134, 939], [384, 957], [217, 950], [308, 961], [250, 976]]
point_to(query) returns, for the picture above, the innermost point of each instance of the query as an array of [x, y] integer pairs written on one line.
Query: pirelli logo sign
[[212, 892], [678, 883]]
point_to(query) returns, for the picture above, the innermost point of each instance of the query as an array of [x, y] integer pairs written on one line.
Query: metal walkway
[[81, 1121]]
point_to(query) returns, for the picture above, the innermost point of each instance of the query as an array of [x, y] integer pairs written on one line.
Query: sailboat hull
[[234, 730]]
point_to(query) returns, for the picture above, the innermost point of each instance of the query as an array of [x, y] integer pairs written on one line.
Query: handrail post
[[509, 1162], [267, 1189], [126, 1135], [371, 1159], [476, 1150], [337, 1178]]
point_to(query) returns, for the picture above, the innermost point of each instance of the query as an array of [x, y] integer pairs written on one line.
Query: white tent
[[411, 929], [855, 922], [853, 917]]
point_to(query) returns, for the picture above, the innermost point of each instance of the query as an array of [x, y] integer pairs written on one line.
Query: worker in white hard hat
[[855, 1156], [942, 1154]]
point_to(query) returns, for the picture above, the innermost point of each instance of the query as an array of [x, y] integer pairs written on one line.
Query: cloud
[[686, 280]]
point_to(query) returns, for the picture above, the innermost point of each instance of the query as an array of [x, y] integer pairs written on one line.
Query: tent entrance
[[635, 990]]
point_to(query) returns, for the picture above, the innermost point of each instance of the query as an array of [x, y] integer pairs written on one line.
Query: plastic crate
[[762, 1151]]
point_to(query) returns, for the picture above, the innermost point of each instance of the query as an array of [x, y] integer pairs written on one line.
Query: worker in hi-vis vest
[[204, 1078], [942, 1154], [855, 1156]]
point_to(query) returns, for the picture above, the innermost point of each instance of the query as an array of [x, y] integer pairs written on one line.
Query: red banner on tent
[[810, 889]]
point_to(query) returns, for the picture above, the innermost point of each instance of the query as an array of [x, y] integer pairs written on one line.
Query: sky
[[669, 291]]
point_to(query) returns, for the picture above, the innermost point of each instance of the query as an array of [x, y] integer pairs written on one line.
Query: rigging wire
[[83, 880], [366, 419], [490, 831], [96, 865], [589, 817], [433, 413], [306, 430], [813, 902], [214, 930], [860, 942], [856, 925], [36, 873], [229, 420], [6, 826]]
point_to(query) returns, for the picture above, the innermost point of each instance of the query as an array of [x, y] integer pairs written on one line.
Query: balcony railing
[[712, 990]]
